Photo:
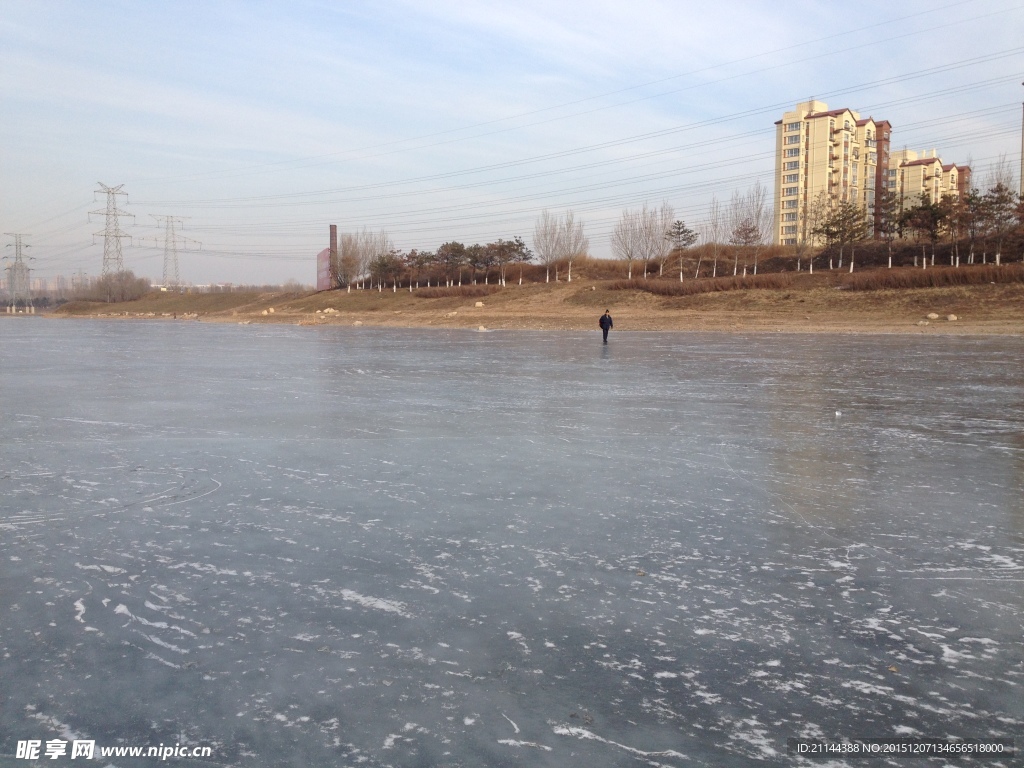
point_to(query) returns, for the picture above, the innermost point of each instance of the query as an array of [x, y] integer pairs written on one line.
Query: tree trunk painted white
[[958, 262], [998, 255], [851, 265], [547, 274], [349, 287], [744, 270], [568, 278], [890, 262], [629, 274]]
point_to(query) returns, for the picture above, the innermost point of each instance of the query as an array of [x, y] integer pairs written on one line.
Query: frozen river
[[340, 546]]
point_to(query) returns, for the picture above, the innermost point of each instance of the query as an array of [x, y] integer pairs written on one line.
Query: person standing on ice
[[606, 324]]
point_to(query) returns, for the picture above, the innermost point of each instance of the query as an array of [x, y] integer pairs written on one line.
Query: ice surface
[[383, 547]]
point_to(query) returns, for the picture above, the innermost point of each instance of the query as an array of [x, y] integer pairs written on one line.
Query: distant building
[[916, 176], [824, 157], [323, 270]]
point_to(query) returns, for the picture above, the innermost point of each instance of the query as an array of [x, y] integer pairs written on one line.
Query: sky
[[259, 124]]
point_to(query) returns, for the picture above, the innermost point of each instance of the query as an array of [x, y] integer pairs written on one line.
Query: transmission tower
[[113, 259], [18, 283], [173, 240]]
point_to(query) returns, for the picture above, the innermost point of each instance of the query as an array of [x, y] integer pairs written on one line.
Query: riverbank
[[807, 306]]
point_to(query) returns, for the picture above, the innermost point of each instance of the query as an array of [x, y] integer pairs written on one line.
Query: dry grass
[[934, 277], [456, 290], [774, 281]]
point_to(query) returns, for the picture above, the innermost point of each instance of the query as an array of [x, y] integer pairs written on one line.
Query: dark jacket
[[605, 322]]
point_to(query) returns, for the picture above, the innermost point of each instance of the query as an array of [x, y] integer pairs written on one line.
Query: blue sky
[[261, 123]]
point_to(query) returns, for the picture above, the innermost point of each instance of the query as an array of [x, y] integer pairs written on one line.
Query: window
[[791, 230], [789, 203], [789, 241], [789, 191], [791, 166], [872, 158], [789, 217], [794, 139], [795, 152], [792, 126], [846, 125], [792, 178]]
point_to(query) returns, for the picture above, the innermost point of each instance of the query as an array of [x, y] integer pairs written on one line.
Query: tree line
[[654, 239], [975, 219], [369, 259]]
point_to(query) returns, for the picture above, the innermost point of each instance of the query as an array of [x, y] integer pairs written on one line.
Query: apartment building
[[916, 176], [825, 155]]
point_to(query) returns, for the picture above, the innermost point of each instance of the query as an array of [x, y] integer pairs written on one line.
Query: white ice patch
[[389, 606], [521, 640], [584, 734], [162, 644], [100, 567], [205, 568], [79, 611], [123, 610], [757, 736], [514, 743], [62, 728], [869, 688]]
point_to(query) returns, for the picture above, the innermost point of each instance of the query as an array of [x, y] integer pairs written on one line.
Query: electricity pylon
[[113, 259], [18, 283], [172, 240]]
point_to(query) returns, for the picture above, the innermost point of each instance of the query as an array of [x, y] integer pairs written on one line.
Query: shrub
[[933, 277]]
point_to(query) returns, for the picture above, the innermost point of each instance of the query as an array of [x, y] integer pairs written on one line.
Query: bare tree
[[358, 250], [572, 243], [1000, 172], [663, 247], [650, 236], [714, 231], [762, 213], [546, 234], [626, 240], [750, 221]]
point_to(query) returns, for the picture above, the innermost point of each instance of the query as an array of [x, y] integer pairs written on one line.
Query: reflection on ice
[[336, 546]]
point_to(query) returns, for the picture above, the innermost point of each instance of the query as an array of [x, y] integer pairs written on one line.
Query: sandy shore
[[980, 309]]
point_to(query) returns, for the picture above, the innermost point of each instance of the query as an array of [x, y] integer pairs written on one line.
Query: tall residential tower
[[823, 157]]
